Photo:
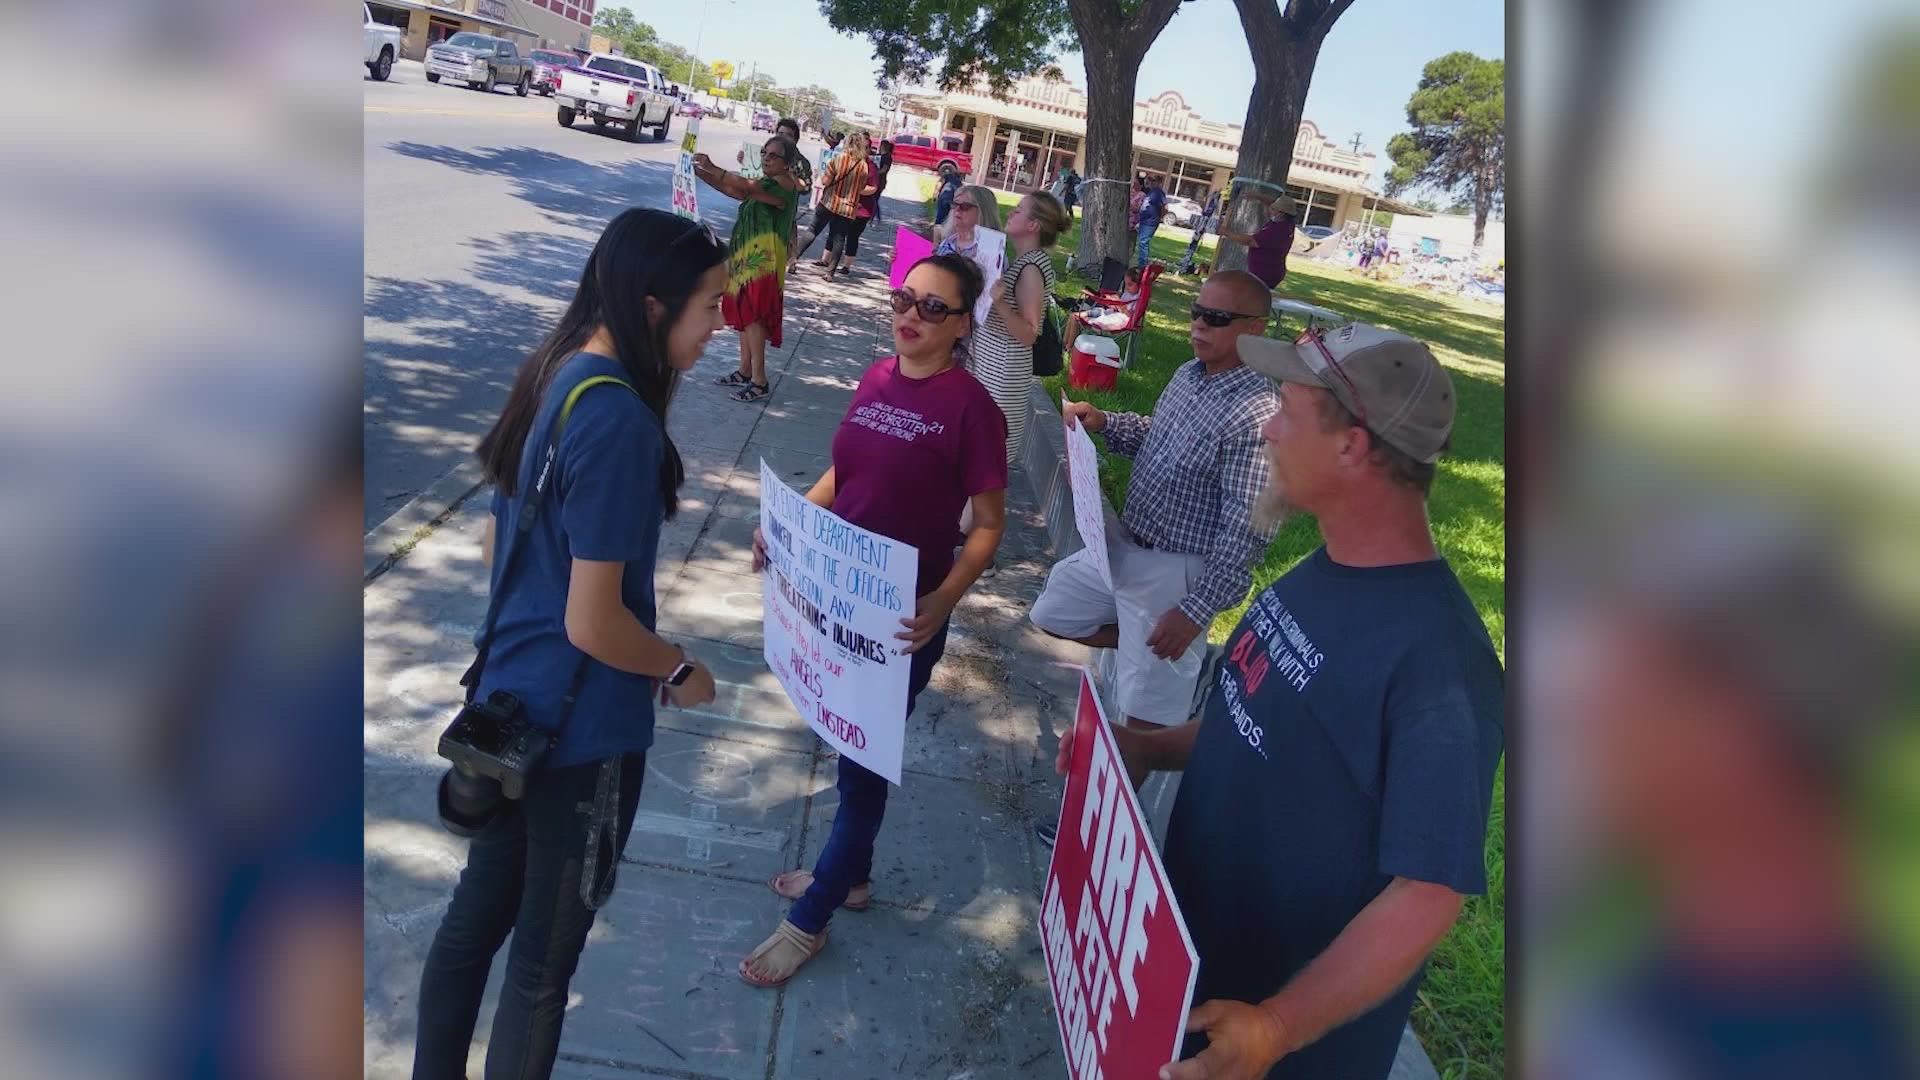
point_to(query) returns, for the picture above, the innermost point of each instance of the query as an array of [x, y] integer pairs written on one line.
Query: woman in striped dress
[[1001, 351]]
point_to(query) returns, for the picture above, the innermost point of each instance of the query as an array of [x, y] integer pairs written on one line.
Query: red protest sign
[[1119, 960]]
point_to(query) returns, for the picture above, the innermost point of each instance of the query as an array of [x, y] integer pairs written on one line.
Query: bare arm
[[821, 493], [486, 544], [932, 610], [1374, 956], [600, 624], [732, 185], [1031, 290]]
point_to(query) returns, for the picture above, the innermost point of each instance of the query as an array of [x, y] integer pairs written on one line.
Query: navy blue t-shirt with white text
[[603, 504], [1350, 738]]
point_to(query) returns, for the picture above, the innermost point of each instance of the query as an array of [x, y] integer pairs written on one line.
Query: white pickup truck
[[380, 43], [614, 88]]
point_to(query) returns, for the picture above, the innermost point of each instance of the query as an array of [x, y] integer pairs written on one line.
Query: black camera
[[494, 748]]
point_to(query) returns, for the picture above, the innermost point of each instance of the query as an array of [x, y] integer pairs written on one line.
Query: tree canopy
[[1457, 147], [954, 45]]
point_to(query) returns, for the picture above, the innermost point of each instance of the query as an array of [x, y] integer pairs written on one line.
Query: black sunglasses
[[958, 205], [1216, 317], [932, 308]]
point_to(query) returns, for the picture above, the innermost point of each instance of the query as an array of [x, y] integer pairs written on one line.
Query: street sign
[[889, 101]]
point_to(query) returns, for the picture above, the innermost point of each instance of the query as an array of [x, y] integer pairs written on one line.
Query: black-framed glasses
[[772, 155], [932, 308], [1217, 317], [1322, 360]]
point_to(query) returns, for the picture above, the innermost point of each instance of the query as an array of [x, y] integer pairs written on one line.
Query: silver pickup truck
[[614, 88], [481, 61]]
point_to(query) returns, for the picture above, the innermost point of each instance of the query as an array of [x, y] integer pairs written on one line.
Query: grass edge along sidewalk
[[1460, 1014]]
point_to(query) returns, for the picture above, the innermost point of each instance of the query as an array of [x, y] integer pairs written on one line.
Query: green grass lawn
[[1460, 1015]]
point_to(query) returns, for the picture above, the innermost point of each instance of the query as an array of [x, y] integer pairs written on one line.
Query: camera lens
[[468, 801]]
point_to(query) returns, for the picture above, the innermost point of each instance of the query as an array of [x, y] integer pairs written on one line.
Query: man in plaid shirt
[[1199, 468]]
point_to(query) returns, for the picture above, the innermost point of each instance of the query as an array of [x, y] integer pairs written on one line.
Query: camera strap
[[602, 811], [529, 514]]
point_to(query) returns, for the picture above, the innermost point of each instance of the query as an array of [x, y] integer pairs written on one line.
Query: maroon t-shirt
[[1267, 260], [911, 452]]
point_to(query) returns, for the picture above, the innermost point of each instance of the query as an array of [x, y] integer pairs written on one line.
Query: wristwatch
[[680, 673]]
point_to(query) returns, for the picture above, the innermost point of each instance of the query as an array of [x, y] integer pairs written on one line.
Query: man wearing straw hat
[[1267, 249]]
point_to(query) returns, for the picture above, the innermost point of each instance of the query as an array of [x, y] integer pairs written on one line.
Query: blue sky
[[1367, 69]]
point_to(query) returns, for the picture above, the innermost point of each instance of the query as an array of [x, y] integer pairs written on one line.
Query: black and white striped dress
[[1001, 363]]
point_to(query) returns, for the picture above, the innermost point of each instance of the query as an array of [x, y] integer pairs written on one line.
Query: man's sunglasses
[[932, 308], [1216, 317], [1322, 361]]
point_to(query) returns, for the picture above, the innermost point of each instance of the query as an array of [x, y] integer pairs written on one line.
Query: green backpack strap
[[573, 398]]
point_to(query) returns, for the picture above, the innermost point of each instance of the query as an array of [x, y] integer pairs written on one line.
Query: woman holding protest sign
[[755, 303], [907, 481], [584, 475]]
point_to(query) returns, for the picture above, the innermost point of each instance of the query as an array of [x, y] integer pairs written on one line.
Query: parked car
[[1182, 211], [609, 87], [381, 45], [547, 66], [480, 61], [764, 120], [921, 152]]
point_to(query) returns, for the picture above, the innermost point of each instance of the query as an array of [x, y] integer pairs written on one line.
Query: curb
[[388, 542]]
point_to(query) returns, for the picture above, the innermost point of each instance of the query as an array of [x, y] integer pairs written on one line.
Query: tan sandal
[[780, 956], [794, 884]]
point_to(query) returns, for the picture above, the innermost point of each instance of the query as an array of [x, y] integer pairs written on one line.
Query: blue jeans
[[522, 876], [846, 860], [1146, 238]]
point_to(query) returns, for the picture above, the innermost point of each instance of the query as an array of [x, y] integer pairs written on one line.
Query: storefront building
[[1021, 142], [564, 25]]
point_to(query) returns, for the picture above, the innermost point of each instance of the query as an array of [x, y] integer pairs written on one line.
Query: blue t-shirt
[[1151, 209], [1351, 738], [603, 504]]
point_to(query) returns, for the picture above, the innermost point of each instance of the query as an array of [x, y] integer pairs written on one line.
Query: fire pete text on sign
[[1118, 956]]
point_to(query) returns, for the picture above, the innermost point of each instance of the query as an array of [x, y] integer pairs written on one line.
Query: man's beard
[[1271, 510]]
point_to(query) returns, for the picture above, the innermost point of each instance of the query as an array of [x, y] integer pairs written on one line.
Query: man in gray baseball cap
[[1334, 813]]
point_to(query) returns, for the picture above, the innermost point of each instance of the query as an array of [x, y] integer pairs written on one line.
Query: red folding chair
[[1135, 308]]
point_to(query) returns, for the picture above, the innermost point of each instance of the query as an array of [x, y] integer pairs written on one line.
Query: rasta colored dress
[[757, 261]]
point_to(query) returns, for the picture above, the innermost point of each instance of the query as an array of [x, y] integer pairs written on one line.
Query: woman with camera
[[908, 483], [584, 475]]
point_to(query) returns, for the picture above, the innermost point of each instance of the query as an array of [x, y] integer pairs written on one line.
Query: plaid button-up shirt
[[1198, 468]]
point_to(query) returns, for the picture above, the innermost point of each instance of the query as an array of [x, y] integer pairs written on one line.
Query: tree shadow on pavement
[[582, 194]]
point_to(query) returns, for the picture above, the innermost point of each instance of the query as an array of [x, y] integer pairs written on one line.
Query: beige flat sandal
[[794, 884], [780, 956]]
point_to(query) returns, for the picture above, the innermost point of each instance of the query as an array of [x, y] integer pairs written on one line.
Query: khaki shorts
[[1076, 603]]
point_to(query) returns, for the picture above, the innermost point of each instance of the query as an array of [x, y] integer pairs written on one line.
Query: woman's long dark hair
[[642, 253]]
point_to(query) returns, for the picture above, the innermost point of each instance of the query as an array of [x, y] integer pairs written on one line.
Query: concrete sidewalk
[[943, 977]]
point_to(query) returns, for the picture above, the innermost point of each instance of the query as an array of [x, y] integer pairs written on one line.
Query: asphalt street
[[480, 212]]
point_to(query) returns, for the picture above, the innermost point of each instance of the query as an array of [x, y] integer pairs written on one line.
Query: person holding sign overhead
[[755, 303], [921, 440], [1334, 812], [1191, 538]]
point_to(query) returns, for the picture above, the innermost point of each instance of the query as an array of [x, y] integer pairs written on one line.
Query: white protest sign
[[1089, 510], [685, 203], [991, 257], [833, 599]]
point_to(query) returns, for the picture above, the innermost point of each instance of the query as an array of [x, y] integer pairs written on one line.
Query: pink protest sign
[[909, 247]]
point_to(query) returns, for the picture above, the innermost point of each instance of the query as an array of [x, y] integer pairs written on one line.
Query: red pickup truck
[[921, 152]]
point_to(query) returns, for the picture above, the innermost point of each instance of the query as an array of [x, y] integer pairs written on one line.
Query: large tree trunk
[[1111, 84], [1113, 46], [1285, 49]]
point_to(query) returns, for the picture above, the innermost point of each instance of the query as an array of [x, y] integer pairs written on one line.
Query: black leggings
[[850, 230], [823, 222]]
